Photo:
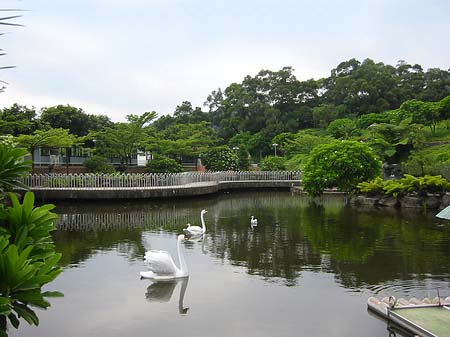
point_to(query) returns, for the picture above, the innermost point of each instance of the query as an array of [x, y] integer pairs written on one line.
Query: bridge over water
[[143, 186]]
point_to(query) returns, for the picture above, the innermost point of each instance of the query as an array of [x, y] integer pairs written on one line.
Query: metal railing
[[147, 180]]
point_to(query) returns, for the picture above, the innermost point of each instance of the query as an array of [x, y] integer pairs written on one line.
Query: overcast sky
[[127, 57]]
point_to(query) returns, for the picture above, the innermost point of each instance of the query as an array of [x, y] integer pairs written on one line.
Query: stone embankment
[[427, 202]]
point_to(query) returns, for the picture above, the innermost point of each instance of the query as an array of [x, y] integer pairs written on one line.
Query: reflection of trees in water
[[358, 245], [78, 246], [273, 249], [372, 246], [171, 216]]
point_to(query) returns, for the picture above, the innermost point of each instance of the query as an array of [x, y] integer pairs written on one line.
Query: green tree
[[437, 85], [392, 142], [56, 138], [341, 164], [368, 120], [98, 122], [342, 128], [123, 140], [259, 145], [426, 113], [220, 159], [272, 163], [183, 139], [162, 164], [98, 164], [66, 117], [361, 88], [18, 119], [304, 141], [185, 113], [432, 160], [324, 114]]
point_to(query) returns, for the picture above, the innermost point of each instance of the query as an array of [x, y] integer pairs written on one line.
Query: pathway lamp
[[275, 148]]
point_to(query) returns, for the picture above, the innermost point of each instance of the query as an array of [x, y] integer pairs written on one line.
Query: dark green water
[[305, 270]]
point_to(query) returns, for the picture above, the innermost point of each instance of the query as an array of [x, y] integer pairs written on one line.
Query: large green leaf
[[12, 167], [5, 306], [13, 319], [27, 257], [52, 294], [26, 313], [33, 297]]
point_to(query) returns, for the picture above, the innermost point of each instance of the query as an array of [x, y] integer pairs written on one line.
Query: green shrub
[[12, 167], [221, 159], [272, 163], [296, 162], [395, 188], [371, 187], [432, 185], [433, 160], [342, 127], [162, 164], [27, 256], [341, 164], [98, 164], [409, 185], [244, 160]]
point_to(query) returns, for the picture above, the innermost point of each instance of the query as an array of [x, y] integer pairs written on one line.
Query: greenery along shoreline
[[428, 192], [393, 108], [362, 117]]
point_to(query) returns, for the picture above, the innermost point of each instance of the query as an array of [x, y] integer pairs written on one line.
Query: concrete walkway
[[190, 189]]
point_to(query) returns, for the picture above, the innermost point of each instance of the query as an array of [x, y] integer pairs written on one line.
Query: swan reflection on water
[[191, 241], [162, 291]]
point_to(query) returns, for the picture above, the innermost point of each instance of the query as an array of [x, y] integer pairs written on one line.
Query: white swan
[[253, 221], [161, 264], [196, 230]]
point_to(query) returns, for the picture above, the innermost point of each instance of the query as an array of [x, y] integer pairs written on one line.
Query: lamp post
[[275, 148]]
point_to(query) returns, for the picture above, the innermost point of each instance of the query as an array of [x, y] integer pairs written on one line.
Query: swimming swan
[[196, 230], [253, 221], [161, 264]]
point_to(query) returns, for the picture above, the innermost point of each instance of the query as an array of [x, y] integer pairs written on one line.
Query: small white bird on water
[[253, 221], [196, 230]]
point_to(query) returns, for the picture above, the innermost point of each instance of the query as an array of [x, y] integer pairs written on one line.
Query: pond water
[[307, 269]]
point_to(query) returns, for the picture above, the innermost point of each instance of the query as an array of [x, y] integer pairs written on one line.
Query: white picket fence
[[146, 180]]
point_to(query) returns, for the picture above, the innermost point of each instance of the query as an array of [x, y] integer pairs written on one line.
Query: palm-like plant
[[27, 260], [12, 167], [21, 284], [27, 256], [4, 21]]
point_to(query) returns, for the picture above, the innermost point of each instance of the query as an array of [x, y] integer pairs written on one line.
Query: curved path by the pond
[[190, 189]]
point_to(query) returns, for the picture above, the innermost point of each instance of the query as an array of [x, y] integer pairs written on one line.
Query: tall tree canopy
[[123, 140], [74, 119], [18, 119]]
